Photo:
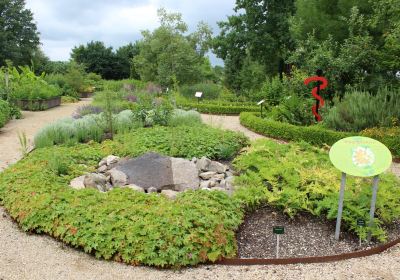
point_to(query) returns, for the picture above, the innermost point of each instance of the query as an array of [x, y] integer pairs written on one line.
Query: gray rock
[[222, 184], [228, 173], [102, 169], [229, 181], [194, 159], [118, 178], [217, 167], [148, 170], [108, 187], [111, 160], [135, 188], [207, 175], [103, 162], [219, 177], [205, 184], [213, 183], [202, 164], [169, 193], [151, 190], [95, 181], [78, 183], [184, 175]]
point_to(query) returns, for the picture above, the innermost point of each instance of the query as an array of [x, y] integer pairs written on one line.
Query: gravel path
[[24, 256]]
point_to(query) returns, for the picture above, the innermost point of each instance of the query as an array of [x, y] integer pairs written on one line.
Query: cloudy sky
[[64, 24]]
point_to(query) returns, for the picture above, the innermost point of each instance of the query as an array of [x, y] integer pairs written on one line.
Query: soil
[[305, 236]]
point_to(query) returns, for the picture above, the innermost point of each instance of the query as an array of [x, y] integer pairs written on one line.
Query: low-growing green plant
[[23, 142], [182, 117], [58, 164], [300, 178]]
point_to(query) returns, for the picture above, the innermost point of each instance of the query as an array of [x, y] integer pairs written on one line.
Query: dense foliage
[[360, 110], [300, 178], [122, 225], [4, 112], [209, 90]]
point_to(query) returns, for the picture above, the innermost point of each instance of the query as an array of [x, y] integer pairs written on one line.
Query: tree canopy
[[19, 38]]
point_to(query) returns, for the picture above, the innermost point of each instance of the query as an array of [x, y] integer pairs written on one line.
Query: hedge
[[317, 135], [219, 109], [310, 134]]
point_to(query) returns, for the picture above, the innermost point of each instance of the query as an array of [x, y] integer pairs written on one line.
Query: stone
[[78, 183], [108, 187], [207, 175], [185, 175], [228, 174], [213, 183], [169, 193], [217, 167], [151, 190], [229, 181], [202, 164], [219, 177], [222, 184], [194, 159], [118, 178], [205, 184], [95, 181], [102, 169], [148, 170], [111, 160], [135, 188], [103, 162]]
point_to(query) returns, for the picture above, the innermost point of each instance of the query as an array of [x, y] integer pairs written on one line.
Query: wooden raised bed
[[38, 105], [85, 94]]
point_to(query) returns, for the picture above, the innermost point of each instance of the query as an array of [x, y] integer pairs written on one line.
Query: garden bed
[[305, 236], [38, 105]]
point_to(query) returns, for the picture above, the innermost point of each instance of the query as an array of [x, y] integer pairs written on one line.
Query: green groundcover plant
[[300, 178], [199, 226], [5, 112], [125, 225]]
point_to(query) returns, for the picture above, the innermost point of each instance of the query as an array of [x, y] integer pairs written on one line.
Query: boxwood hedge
[[317, 135]]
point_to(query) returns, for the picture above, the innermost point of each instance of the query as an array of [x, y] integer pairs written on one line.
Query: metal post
[[261, 110], [373, 203], [340, 207], [277, 246]]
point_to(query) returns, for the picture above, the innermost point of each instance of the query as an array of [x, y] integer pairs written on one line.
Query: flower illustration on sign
[[363, 157]]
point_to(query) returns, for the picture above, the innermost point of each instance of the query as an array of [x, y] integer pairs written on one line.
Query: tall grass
[[182, 117]]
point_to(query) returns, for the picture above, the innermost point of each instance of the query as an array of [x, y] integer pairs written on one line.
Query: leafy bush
[[182, 117], [360, 110], [294, 110], [5, 112], [152, 111], [300, 178], [181, 141], [122, 225], [69, 99], [316, 135], [390, 136], [209, 90]]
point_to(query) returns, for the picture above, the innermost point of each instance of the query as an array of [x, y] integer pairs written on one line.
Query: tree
[[98, 59], [168, 56], [260, 30], [19, 37], [124, 56]]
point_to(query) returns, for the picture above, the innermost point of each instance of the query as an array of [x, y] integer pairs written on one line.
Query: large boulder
[[160, 172], [96, 181], [118, 178], [78, 183]]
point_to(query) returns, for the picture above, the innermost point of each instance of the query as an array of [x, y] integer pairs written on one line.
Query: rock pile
[[152, 172]]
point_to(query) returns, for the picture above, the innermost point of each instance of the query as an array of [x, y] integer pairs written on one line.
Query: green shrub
[[182, 117], [316, 135], [181, 141], [209, 90], [300, 178], [390, 136], [294, 110], [220, 108], [360, 110], [5, 112]]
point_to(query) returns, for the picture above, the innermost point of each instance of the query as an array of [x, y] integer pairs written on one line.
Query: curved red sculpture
[[315, 92]]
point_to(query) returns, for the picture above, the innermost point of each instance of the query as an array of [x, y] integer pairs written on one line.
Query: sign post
[[360, 223], [362, 157], [261, 106], [198, 95], [278, 231]]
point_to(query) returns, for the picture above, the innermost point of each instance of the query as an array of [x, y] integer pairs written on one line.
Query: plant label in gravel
[[278, 230]]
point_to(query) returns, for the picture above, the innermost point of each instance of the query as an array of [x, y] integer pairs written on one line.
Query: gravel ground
[[305, 236], [26, 256]]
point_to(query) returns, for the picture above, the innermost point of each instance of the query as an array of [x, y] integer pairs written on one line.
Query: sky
[[64, 24]]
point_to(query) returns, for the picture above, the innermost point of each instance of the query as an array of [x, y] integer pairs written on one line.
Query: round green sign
[[360, 156]]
